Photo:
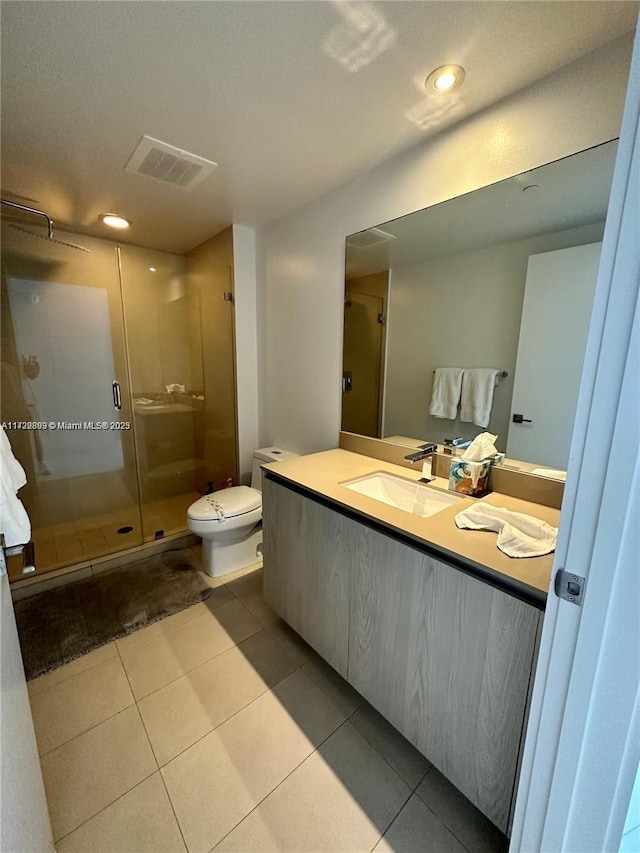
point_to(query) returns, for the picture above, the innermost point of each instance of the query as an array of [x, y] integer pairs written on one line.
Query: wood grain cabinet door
[[447, 660], [307, 550]]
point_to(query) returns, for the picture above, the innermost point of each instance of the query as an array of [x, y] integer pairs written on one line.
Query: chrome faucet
[[425, 452], [422, 453]]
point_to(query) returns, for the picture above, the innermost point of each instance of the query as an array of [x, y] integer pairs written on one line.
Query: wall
[[459, 310], [244, 262], [25, 819], [301, 256]]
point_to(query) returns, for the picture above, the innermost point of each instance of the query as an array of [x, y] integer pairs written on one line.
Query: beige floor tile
[[336, 688], [62, 673], [179, 714], [117, 540], [249, 590], [91, 771], [291, 642], [69, 551], [163, 659], [461, 817], [142, 821], [69, 708], [418, 830], [91, 538], [405, 759], [248, 585], [168, 514], [46, 555], [216, 782], [166, 626], [228, 578], [342, 798]]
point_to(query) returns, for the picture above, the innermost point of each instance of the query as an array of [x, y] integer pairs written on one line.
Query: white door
[[558, 298], [24, 819], [583, 735]]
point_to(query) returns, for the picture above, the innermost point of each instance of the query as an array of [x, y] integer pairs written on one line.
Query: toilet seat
[[226, 504]]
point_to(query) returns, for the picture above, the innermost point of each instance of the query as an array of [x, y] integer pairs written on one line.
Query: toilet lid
[[226, 503]]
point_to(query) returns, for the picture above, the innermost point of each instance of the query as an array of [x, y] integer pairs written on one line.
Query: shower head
[[48, 239], [24, 209]]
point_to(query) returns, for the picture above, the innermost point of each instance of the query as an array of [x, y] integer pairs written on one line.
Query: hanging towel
[[519, 535], [14, 521], [445, 395], [477, 395]]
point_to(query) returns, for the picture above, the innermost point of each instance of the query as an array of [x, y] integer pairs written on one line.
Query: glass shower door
[[167, 402], [65, 397]]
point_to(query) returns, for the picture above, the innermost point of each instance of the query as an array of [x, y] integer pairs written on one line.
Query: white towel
[[477, 395], [519, 535], [554, 473], [445, 395], [14, 521]]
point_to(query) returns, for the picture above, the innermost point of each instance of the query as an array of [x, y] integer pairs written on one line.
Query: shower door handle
[[117, 397]]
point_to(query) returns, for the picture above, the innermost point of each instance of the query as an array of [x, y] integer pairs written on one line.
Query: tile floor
[[61, 545], [219, 728]]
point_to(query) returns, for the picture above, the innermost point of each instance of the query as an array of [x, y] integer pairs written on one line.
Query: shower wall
[[160, 325]]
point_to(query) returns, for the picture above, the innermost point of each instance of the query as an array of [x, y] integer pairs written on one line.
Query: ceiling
[[567, 193], [289, 98]]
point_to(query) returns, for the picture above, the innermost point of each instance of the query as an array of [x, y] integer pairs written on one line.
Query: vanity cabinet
[[444, 656], [447, 659], [307, 548]]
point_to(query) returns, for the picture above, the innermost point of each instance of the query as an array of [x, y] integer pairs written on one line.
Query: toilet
[[229, 520]]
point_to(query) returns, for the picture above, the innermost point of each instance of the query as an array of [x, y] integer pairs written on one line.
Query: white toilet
[[229, 520]]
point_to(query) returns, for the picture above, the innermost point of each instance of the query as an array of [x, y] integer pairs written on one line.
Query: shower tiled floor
[[219, 728], [75, 542]]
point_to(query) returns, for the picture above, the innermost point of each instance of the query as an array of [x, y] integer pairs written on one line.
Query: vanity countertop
[[475, 551]]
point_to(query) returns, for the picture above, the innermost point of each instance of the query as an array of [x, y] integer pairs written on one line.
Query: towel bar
[[502, 375]]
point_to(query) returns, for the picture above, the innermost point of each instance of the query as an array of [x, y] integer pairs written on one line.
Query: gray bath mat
[[62, 624]]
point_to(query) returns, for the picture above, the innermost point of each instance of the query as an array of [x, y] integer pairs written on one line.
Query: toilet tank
[[266, 454]]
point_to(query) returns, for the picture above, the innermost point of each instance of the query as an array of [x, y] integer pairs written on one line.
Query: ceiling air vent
[[371, 237], [168, 165]]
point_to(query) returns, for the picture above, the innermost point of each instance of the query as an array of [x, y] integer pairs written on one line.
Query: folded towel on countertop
[[14, 521], [478, 384], [519, 535], [446, 392]]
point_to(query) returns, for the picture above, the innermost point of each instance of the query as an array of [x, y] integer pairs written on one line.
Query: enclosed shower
[[117, 386]]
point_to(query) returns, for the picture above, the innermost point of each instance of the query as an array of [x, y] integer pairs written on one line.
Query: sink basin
[[407, 495]]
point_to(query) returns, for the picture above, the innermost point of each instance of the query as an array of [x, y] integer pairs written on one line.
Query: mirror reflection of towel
[[478, 384], [446, 392]]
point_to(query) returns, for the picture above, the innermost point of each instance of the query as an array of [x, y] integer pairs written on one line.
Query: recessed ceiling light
[[153, 269], [114, 221], [445, 79]]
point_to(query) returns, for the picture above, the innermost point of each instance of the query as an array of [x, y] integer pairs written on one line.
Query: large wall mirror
[[501, 278]]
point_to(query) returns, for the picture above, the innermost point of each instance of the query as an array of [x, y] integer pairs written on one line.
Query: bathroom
[[288, 262]]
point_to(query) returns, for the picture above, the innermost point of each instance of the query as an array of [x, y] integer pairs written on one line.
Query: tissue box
[[461, 477]]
